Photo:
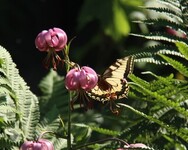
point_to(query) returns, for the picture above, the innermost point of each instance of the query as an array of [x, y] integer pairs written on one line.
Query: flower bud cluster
[[77, 79]]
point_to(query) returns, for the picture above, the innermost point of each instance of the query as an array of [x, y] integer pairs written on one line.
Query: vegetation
[[155, 112]]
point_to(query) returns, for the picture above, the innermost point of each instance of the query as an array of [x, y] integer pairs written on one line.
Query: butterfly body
[[112, 84]]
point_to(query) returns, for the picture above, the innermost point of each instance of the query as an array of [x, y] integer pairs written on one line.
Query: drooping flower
[[51, 41], [54, 38], [81, 80], [41, 144], [84, 78]]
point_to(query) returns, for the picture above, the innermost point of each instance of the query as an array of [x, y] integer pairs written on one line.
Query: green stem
[[69, 123], [67, 64], [102, 141], [41, 135]]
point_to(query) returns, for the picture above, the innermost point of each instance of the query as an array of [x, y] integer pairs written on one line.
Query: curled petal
[[40, 42], [72, 79], [46, 145], [83, 79], [62, 38], [27, 145], [48, 38], [92, 77], [37, 146], [55, 41]]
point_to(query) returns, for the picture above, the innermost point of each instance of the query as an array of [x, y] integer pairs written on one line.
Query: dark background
[[22, 20]]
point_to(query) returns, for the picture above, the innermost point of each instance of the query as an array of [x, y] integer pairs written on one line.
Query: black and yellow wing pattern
[[112, 84]]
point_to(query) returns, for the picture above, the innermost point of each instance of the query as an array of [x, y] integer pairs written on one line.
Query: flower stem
[[102, 141], [67, 64], [69, 123], [43, 134]]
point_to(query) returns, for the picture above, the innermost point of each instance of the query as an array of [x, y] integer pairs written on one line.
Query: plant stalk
[[69, 124]]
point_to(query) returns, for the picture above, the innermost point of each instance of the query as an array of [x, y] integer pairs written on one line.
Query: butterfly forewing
[[112, 84]]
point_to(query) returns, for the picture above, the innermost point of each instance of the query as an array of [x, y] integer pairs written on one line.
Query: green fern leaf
[[25, 103], [150, 54], [54, 94], [139, 81], [50, 121], [183, 48], [162, 124], [104, 131], [60, 143], [81, 132], [161, 37], [163, 23], [173, 4], [139, 85], [99, 129], [177, 65], [167, 11]]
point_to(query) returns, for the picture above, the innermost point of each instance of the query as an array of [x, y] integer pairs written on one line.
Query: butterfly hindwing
[[112, 84]]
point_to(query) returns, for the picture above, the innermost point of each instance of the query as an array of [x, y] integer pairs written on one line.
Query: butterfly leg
[[114, 108]]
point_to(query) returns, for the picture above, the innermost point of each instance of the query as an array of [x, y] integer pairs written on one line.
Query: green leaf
[[54, 94], [19, 106], [161, 37], [183, 48], [120, 25], [113, 20], [162, 124], [89, 12], [81, 132], [176, 64], [105, 131]]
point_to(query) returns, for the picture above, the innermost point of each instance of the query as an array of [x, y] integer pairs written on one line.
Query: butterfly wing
[[112, 84]]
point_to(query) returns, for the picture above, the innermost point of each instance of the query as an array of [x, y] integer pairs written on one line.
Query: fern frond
[[173, 4], [99, 129], [161, 37], [139, 81], [162, 111], [170, 52], [157, 96], [165, 98], [48, 125], [5, 110], [183, 48], [177, 65], [6, 144], [160, 22], [60, 143], [150, 60], [54, 94], [30, 117], [171, 13], [25, 103], [150, 54], [168, 127], [104, 131]]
